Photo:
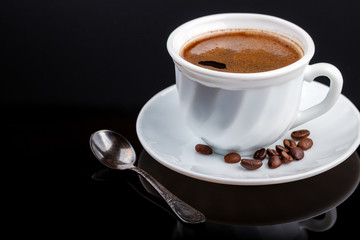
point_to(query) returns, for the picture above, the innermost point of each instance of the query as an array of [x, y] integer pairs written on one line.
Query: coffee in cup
[[242, 51]]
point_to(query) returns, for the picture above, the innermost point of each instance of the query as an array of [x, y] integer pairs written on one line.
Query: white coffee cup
[[242, 112]]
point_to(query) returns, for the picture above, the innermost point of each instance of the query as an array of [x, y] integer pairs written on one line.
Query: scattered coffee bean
[[232, 158], [286, 157], [260, 154], [203, 149], [251, 164], [299, 134], [272, 152], [305, 143], [281, 154], [289, 143], [297, 153], [280, 149], [274, 162]]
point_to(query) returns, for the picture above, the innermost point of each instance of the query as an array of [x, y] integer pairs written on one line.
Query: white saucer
[[166, 138]]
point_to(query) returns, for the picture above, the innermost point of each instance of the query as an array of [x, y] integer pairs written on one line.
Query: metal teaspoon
[[115, 151]]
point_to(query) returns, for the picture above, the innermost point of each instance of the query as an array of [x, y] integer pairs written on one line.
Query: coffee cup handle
[[336, 82], [320, 225]]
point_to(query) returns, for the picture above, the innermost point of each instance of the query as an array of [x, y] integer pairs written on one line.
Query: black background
[[72, 67]]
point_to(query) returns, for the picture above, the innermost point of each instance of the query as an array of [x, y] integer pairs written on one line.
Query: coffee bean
[[289, 143], [280, 149], [305, 143], [203, 149], [274, 162], [213, 64], [287, 158], [272, 152], [299, 134], [232, 158], [260, 154], [297, 153], [251, 164]]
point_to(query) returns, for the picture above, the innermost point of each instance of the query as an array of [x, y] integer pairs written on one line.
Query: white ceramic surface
[[163, 134], [230, 111]]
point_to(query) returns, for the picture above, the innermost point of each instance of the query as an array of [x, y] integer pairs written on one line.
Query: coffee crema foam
[[241, 51]]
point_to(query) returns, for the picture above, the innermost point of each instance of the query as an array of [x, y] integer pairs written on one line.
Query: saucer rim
[[245, 182]]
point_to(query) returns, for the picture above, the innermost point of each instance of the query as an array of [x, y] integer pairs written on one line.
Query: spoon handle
[[184, 211]]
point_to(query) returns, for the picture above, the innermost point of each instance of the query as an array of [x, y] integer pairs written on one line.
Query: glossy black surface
[[261, 205], [71, 68], [53, 176]]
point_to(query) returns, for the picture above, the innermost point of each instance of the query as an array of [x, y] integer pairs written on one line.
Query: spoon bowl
[[112, 150], [115, 151]]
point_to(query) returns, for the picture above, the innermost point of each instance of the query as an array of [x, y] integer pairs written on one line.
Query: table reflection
[[280, 211]]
